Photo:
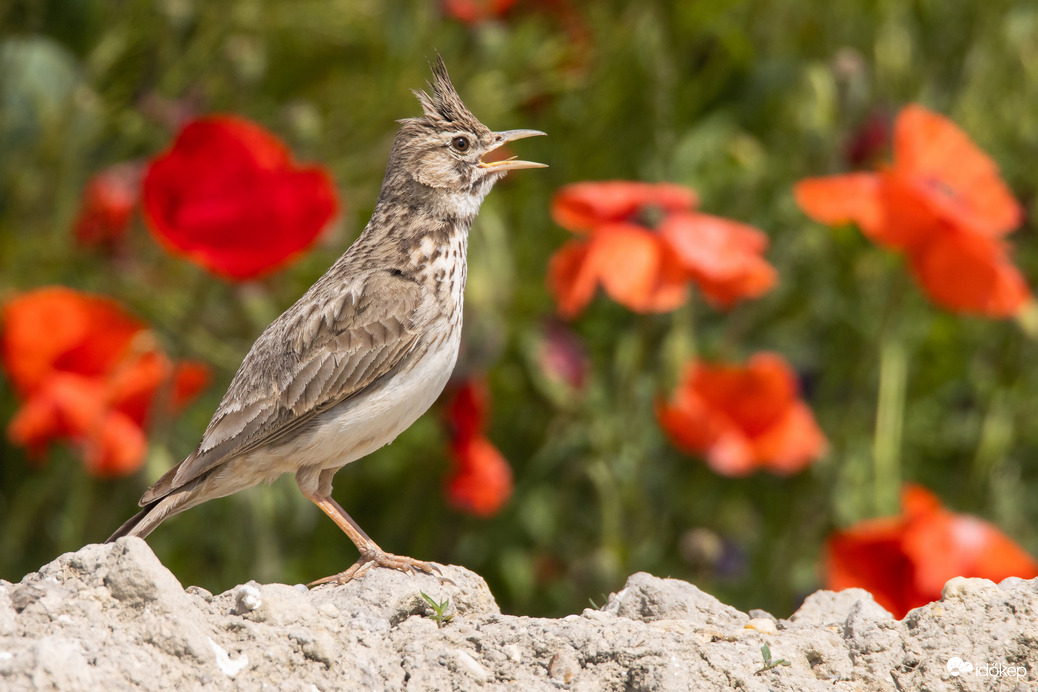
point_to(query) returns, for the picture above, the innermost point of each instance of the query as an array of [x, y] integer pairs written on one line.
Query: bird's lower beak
[[511, 164]]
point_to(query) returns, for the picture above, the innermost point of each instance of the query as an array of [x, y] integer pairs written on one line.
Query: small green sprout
[[439, 609], [768, 663]]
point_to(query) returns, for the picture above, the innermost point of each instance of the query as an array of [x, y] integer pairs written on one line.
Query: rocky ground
[[111, 617]]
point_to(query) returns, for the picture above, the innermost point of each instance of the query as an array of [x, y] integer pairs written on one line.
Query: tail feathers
[[133, 525], [165, 485], [155, 512]]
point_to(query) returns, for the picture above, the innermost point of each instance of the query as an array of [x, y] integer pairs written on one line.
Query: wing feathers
[[332, 344]]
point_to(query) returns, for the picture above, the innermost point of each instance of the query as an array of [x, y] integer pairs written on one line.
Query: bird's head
[[445, 148]]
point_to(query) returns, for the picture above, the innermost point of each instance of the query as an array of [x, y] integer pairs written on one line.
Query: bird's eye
[[460, 143]]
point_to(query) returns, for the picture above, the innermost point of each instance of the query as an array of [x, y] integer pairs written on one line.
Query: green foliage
[[439, 615], [737, 99], [769, 664]]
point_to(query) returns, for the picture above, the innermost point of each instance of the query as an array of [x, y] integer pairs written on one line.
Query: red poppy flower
[[229, 197], [906, 560], [107, 204], [476, 11], [643, 246], [743, 418], [943, 203], [481, 481], [89, 374], [467, 409]]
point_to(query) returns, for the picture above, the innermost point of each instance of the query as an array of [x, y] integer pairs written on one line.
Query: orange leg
[[370, 553]]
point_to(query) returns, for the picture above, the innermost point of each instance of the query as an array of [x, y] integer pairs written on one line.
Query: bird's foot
[[380, 558]]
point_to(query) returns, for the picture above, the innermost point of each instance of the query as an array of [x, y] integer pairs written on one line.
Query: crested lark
[[368, 348]]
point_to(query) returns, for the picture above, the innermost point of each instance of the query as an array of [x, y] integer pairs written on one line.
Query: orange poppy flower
[[632, 264], [77, 408], [743, 418], [228, 196], [584, 206], [971, 273], [724, 258], [107, 205], [481, 481], [904, 561], [943, 203], [89, 374], [644, 244]]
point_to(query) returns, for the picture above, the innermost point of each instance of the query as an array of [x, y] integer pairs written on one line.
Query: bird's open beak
[[513, 163]]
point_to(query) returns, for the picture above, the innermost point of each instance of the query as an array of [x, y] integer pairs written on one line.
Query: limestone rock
[[112, 617]]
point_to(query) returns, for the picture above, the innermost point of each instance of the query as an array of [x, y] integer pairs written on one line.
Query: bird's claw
[[379, 558]]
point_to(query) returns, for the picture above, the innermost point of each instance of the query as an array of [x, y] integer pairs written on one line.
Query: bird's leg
[[370, 553]]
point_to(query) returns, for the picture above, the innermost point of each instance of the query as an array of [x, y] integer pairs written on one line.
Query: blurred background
[[736, 99]]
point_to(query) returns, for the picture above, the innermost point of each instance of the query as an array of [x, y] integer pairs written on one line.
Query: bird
[[370, 345]]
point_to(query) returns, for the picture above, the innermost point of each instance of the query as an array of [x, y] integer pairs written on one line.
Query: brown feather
[[369, 346]]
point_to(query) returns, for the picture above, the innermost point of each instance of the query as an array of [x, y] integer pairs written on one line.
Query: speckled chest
[[444, 269]]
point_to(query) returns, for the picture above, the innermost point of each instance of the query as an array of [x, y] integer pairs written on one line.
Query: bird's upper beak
[[512, 163]]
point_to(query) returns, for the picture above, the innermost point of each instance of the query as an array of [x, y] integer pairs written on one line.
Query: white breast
[[374, 418]]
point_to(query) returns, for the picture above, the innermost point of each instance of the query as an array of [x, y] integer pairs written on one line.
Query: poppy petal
[[731, 454], [108, 201], [687, 421], [87, 372], [756, 394], [582, 206], [723, 256], [467, 410], [630, 264], [228, 196], [135, 388], [570, 279], [992, 554], [792, 442], [743, 417], [117, 448], [918, 501], [190, 378], [869, 556], [970, 273], [906, 560], [63, 407], [962, 181], [56, 327], [909, 218], [852, 198], [73, 408], [482, 482]]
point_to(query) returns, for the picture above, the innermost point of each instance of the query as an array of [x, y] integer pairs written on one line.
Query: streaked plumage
[[368, 347]]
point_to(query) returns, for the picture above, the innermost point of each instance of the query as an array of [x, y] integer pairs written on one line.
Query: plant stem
[[890, 402], [996, 438], [890, 409], [680, 344], [610, 506]]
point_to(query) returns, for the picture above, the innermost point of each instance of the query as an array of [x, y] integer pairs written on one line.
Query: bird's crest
[[444, 106]]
